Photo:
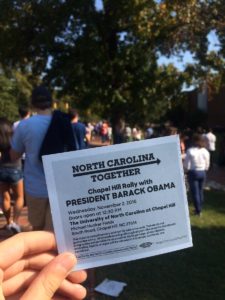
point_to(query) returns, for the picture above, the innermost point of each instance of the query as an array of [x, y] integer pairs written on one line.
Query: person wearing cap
[[28, 139]]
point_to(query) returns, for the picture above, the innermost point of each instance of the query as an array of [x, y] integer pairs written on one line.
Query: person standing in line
[[182, 146], [136, 133], [104, 131], [127, 133], [89, 130], [196, 162], [118, 127], [149, 131], [11, 179], [79, 129], [210, 140], [24, 113], [28, 138]]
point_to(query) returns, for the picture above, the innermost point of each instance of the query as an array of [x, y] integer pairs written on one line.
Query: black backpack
[[59, 137]]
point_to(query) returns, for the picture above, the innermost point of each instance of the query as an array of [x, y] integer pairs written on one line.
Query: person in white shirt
[[210, 143], [197, 162]]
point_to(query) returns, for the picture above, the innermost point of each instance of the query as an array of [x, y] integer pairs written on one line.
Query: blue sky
[[186, 57], [98, 4]]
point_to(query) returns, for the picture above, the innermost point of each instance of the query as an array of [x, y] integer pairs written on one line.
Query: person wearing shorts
[[11, 179], [28, 138]]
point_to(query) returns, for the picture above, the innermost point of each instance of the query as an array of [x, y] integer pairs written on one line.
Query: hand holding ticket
[[119, 203]]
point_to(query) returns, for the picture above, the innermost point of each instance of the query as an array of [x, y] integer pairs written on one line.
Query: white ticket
[[119, 203]]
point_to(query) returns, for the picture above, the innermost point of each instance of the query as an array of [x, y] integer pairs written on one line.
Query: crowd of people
[[197, 151], [22, 177], [29, 265]]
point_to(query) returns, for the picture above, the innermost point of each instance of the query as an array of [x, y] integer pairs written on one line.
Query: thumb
[[50, 278], [1, 291]]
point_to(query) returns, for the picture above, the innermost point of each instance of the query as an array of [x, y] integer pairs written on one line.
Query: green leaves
[[109, 58], [15, 90]]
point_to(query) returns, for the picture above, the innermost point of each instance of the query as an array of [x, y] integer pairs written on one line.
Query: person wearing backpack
[[29, 138]]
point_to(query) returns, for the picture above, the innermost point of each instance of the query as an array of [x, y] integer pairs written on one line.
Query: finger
[[72, 290], [23, 280], [18, 283], [50, 278], [14, 248], [38, 262], [77, 276], [35, 262]]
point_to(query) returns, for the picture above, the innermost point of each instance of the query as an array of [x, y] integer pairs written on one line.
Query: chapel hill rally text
[[117, 168]]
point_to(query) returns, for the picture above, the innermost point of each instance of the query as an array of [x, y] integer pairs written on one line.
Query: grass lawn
[[194, 273]]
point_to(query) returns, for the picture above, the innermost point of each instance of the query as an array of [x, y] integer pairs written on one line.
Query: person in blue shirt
[[28, 138], [79, 129]]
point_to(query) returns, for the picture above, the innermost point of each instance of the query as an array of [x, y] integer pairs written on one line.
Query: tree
[[106, 60], [114, 58], [15, 90]]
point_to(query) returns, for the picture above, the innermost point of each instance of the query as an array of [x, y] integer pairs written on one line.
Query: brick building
[[213, 106]]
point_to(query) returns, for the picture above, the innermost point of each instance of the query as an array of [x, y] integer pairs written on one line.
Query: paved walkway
[[23, 221], [25, 226]]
